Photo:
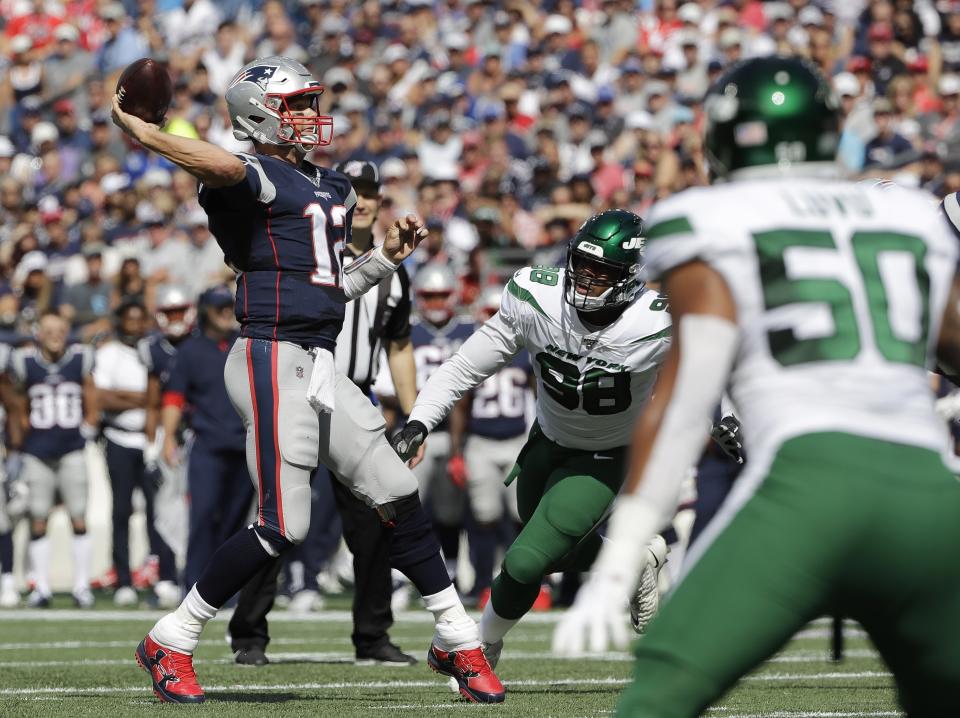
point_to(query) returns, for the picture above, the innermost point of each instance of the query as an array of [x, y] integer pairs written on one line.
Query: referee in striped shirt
[[380, 318]]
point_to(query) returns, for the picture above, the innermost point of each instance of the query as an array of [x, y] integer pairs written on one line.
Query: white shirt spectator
[[192, 26], [117, 367], [222, 68]]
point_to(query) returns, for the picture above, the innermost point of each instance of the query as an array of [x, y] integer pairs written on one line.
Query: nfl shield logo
[[299, 372]]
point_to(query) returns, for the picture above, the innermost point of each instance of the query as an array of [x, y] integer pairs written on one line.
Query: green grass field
[[70, 663]]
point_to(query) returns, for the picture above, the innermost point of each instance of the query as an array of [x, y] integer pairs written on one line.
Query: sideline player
[[820, 302], [282, 222], [57, 411], [176, 315], [596, 337]]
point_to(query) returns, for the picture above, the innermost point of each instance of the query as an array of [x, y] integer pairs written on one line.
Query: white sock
[[181, 629], [39, 551], [455, 630], [7, 583], [81, 562], [493, 627]]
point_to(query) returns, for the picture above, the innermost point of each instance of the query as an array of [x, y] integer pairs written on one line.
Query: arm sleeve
[[86, 367], [254, 187], [488, 349], [366, 272]]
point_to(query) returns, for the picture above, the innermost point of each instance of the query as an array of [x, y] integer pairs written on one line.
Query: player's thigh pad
[[567, 514], [267, 383], [42, 482], [488, 461], [354, 448], [72, 483]]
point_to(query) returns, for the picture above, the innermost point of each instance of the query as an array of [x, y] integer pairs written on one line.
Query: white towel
[[320, 392]]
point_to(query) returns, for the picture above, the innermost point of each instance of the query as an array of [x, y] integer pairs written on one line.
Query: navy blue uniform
[[55, 394], [433, 345], [157, 354], [219, 488], [499, 404], [284, 229]]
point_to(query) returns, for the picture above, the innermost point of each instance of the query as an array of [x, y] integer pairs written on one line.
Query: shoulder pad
[[268, 191]]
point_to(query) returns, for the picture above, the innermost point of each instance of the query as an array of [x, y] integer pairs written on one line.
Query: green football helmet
[[770, 111], [607, 251]]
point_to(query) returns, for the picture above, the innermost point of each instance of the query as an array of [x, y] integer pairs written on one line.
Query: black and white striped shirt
[[380, 315]]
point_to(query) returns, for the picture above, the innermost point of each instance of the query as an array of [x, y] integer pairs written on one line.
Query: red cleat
[[171, 672], [147, 575], [477, 681], [107, 580], [544, 600]]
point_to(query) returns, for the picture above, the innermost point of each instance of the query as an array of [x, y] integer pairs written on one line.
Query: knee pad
[[412, 539], [273, 541], [526, 564]]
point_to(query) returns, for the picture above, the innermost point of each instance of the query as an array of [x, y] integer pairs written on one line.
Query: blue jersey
[[283, 229], [196, 379], [433, 345], [55, 394], [157, 353], [499, 404]]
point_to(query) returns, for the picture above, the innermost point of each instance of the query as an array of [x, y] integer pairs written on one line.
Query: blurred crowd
[[505, 124]]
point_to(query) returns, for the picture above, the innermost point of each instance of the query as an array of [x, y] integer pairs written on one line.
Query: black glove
[[407, 441], [726, 433]]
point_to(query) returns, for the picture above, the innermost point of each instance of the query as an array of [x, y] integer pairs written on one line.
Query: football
[[145, 90]]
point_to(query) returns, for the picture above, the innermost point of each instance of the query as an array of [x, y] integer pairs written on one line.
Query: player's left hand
[[726, 433], [402, 238], [597, 620]]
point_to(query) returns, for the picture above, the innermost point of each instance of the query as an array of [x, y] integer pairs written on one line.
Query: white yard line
[[248, 687]]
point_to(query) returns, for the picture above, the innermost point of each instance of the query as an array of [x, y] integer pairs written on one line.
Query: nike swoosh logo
[[600, 457]]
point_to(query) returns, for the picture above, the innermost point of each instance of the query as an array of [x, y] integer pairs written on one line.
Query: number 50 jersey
[[591, 381], [839, 291]]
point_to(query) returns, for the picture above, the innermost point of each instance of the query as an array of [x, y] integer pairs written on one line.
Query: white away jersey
[[591, 383], [839, 290]]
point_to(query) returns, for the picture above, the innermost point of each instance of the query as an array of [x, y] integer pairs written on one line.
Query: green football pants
[[562, 494], [840, 523]]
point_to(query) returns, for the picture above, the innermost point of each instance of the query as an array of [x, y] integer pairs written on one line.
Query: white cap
[[43, 132], [20, 44], [557, 25], [354, 102], [393, 167], [148, 214], [113, 11], [729, 37], [810, 15], [949, 85], [6, 147], [690, 12], [156, 177], [196, 218], [846, 85], [456, 41], [777, 11], [66, 31], [114, 182], [35, 261], [337, 75], [395, 52], [639, 120]]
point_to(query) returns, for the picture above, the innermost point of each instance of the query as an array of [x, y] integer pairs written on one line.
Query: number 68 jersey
[[839, 291], [591, 381]]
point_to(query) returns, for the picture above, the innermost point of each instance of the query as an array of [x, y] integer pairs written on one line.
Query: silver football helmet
[[488, 302], [259, 100], [435, 287], [176, 311]]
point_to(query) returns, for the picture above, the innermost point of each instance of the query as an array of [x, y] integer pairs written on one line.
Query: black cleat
[[253, 656], [387, 654]]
